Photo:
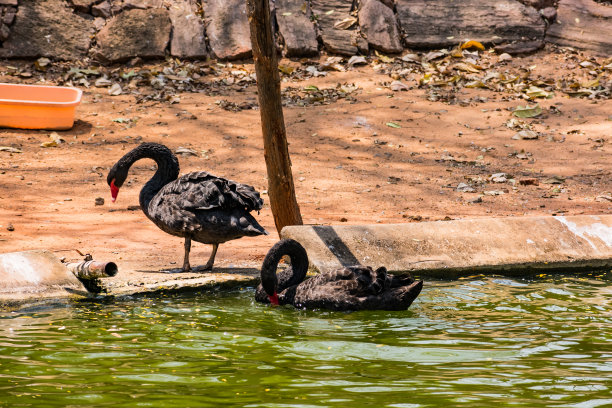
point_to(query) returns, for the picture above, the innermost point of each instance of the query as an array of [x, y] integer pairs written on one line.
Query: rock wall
[[118, 30]]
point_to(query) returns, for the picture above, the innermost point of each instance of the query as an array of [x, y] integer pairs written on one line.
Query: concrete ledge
[[38, 277], [448, 249], [168, 282]]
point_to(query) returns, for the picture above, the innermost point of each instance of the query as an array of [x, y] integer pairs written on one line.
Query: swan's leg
[[186, 266], [211, 260]]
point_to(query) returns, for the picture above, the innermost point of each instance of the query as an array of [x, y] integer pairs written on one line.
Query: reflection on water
[[475, 342]]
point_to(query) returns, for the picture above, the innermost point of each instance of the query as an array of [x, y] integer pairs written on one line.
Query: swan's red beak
[[114, 190], [274, 299]]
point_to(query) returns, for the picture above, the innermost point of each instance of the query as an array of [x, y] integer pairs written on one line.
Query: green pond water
[[477, 342]]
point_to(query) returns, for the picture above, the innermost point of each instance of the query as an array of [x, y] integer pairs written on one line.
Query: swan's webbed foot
[[202, 268], [187, 266]]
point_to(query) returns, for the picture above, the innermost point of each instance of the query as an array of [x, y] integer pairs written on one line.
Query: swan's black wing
[[178, 203], [201, 190], [340, 289], [353, 280], [356, 288]]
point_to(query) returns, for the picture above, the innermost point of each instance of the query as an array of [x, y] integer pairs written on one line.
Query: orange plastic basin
[[37, 106]]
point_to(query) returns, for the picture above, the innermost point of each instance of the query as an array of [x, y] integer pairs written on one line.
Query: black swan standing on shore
[[349, 288], [197, 206]]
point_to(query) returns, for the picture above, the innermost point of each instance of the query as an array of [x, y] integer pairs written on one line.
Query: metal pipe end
[[110, 269]]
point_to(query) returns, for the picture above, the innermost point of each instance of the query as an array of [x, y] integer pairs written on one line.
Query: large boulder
[[134, 33], [188, 38], [228, 29], [379, 26], [7, 17], [339, 29], [442, 23], [583, 24], [47, 28], [296, 28]]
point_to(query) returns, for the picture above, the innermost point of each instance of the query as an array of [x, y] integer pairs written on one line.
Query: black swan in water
[[349, 288], [198, 206]]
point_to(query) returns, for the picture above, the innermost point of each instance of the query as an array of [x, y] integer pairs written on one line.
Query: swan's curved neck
[[299, 266], [167, 169]]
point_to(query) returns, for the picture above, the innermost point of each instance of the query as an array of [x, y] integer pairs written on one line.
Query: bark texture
[[281, 189]]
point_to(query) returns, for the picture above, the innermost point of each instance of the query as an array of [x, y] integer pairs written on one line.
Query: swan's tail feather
[[250, 227], [254, 229], [401, 298]]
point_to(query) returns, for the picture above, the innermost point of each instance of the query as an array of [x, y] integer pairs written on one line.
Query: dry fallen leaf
[[432, 55], [56, 140], [499, 178], [534, 92], [285, 69], [467, 67], [115, 90], [465, 188], [41, 64], [356, 60], [472, 44], [10, 149], [384, 58], [185, 151], [527, 111], [345, 23], [607, 198], [103, 82], [525, 135], [554, 180], [398, 86], [514, 123]]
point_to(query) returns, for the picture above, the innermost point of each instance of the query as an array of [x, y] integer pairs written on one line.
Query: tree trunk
[[281, 190]]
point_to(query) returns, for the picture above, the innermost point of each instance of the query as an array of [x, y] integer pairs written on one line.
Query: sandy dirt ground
[[377, 155]]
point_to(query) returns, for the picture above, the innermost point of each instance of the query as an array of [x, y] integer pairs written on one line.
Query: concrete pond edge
[[451, 249], [514, 246]]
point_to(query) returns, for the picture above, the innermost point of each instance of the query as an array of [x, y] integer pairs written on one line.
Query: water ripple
[[477, 342]]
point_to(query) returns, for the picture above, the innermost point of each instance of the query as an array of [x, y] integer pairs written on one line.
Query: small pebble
[[529, 182], [10, 227], [99, 201]]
